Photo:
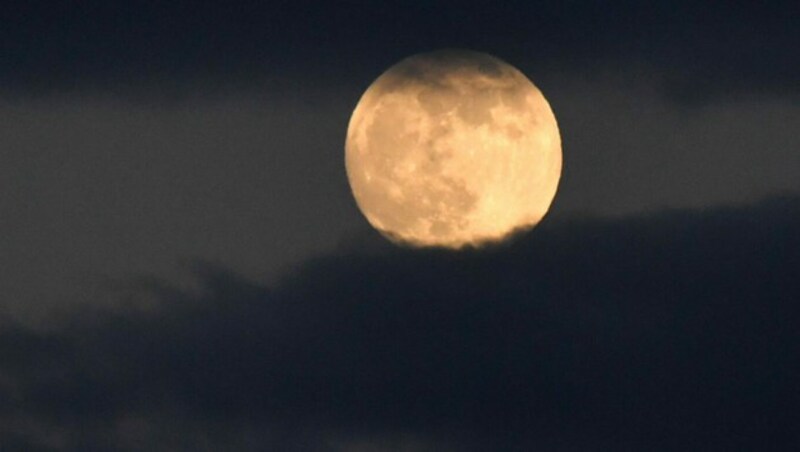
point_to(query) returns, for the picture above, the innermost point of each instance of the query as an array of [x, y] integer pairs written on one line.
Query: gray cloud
[[628, 149], [669, 332], [96, 187], [705, 51]]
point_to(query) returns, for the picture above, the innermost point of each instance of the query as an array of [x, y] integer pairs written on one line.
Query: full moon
[[453, 149]]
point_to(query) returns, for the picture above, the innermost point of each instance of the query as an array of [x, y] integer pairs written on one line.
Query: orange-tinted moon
[[453, 148]]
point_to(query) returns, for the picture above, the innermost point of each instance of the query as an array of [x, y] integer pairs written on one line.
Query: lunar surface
[[453, 149]]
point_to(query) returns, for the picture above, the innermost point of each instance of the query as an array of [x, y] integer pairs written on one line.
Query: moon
[[453, 149]]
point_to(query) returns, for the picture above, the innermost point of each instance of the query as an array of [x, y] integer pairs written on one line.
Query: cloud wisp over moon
[[675, 331]]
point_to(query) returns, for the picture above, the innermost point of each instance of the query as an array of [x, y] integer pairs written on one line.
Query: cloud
[[706, 51], [628, 150], [675, 331], [118, 187]]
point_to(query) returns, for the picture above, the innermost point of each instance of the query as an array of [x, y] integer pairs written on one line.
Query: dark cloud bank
[[676, 331], [702, 50]]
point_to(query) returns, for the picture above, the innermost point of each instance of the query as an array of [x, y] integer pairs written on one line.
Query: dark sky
[[184, 268]]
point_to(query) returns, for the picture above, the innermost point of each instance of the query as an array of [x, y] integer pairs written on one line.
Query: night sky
[[183, 266]]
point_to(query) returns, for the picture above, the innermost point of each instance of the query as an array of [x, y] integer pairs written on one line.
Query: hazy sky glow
[[184, 268]]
